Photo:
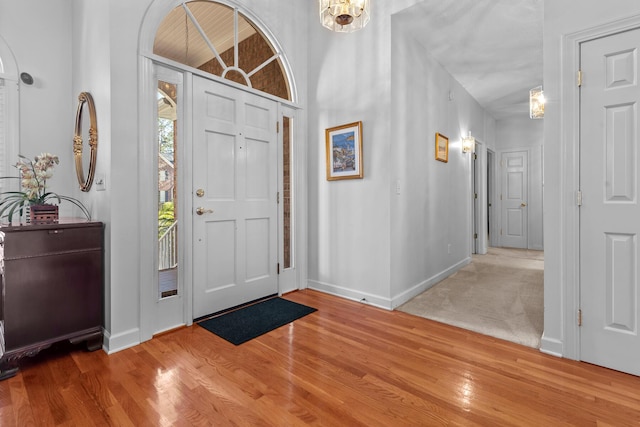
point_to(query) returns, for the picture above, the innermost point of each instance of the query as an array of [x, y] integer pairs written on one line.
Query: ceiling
[[492, 47], [179, 39]]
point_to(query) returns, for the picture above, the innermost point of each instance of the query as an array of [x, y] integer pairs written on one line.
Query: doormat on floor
[[254, 320]]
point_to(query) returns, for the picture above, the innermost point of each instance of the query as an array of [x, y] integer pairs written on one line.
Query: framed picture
[[442, 148], [344, 152]]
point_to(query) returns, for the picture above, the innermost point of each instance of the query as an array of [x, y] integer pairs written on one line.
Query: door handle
[[522, 205], [202, 210]]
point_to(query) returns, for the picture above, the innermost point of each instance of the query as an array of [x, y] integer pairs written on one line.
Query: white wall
[[527, 135], [91, 69], [562, 18], [430, 217], [349, 235], [349, 230], [46, 111]]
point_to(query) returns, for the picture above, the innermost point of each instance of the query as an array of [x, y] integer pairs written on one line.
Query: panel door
[[610, 214], [514, 199], [234, 197]]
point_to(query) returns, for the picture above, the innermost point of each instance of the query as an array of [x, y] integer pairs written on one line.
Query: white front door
[[234, 197], [515, 221], [610, 214]]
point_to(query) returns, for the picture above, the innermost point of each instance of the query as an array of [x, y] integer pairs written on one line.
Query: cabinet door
[[52, 297]]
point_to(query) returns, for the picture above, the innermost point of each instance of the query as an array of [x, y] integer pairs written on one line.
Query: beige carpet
[[498, 294]]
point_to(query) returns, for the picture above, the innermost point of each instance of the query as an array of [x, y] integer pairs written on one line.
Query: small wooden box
[[43, 214]]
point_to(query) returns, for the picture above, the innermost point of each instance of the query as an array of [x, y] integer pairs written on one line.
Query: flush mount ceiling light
[[468, 144], [536, 103], [344, 16]]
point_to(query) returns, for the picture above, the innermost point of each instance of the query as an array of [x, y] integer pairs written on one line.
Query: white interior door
[[234, 197], [515, 176], [610, 214]]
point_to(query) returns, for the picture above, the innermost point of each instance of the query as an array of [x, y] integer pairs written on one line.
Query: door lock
[[522, 205], [199, 192], [202, 210]]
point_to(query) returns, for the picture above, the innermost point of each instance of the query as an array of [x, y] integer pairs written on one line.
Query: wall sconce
[[468, 144], [536, 103], [344, 16]]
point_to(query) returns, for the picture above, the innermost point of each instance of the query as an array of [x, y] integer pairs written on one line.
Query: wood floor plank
[[346, 364], [22, 412]]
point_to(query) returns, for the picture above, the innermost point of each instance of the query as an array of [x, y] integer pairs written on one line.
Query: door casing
[[296, 278]]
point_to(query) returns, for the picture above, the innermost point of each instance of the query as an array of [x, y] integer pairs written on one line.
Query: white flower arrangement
[[33, 179], [34, 175]]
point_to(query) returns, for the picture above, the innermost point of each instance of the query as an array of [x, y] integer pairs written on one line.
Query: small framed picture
[[442, 148], [344, 152]]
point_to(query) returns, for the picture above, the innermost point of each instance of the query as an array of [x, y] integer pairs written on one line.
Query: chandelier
[[344, 16]]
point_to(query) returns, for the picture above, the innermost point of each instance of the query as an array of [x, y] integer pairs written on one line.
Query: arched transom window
[[220, 40]]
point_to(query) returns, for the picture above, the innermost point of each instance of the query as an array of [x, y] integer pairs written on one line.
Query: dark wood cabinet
[[52, 288]]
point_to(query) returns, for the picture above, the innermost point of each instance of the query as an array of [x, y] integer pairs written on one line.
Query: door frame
[[290, 279], [147, 201], [570, 180], [473, 159], [479, 186], [492, 201], [147, 165]]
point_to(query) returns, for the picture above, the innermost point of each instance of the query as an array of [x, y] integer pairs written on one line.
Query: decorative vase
[[43, 214]]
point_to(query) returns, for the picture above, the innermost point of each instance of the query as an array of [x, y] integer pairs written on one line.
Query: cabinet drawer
[[33, 243]]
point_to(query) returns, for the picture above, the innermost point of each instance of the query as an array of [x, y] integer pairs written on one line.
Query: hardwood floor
[[347, 364]]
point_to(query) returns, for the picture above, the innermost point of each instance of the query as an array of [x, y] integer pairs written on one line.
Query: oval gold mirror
[[85, 99]]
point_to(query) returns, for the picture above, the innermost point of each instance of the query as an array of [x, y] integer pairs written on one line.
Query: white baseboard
[[419, 288], [551, 346], [121, 341], [352, 294], [380, 301]]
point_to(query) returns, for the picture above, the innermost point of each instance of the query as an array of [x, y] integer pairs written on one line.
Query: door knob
[[522, 205], [202, 210]]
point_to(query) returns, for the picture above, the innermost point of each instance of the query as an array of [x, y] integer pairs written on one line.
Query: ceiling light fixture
[[344, 16], [468, 144], [536, 103]]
